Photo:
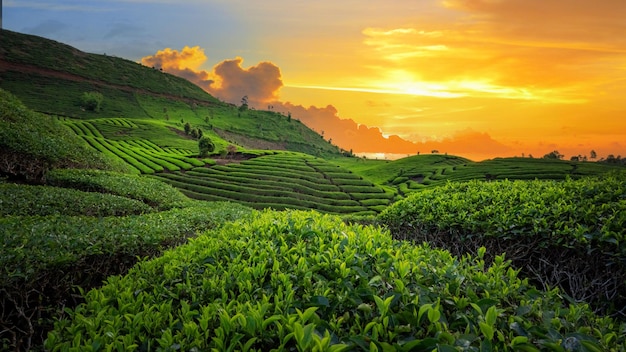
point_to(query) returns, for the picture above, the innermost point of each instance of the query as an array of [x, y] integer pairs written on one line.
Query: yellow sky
[[532, 74], [477, 78]]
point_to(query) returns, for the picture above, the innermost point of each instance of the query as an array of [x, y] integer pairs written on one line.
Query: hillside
[[52, 78]]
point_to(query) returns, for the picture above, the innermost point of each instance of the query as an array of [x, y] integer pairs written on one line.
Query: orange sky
[[477, 78]]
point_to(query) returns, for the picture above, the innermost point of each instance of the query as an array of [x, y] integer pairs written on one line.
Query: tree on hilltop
[[554, 155]]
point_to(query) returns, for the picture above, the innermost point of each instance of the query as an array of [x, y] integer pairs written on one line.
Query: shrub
[[569, 234], [43, 259], [150, 191], [43, 200], [206, 146], [92, 101], [308, 282]]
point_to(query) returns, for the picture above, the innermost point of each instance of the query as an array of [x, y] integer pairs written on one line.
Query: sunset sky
[[477, 78]]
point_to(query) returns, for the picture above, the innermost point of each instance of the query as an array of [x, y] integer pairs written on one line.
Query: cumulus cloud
[[185, 63], [260, 83], [228, 80]]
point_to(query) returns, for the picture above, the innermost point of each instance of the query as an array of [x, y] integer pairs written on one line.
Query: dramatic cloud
[[360, 138], [228, 80], [260, 83], [185, 63]]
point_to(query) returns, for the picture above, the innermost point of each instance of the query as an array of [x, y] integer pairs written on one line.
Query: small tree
[[92, 101], [593, 154], [194, 133], [244, 104], [554, 155], [206, 146], [187, 128], [200, 133]]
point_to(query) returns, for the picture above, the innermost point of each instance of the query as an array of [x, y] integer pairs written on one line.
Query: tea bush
[[147, 190], [32, 143], [288, 281], [43, 259], [570, 234], [42, 200]]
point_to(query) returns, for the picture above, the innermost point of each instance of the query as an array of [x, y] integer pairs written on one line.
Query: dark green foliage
[[32, 143], [49, 54], [150, 191], [41, 200], [187, 128], [43, 259], [205, 146], [92, 101], [307, 282], [294, 181], [570, 234]]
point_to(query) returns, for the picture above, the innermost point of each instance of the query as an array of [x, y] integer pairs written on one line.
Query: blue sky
[[130, 29]]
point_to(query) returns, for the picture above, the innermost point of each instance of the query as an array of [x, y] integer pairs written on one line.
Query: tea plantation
[[308, 282], [280, 181], [116, 236]]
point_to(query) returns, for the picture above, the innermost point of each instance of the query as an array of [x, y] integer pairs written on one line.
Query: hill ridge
[[26, 69]]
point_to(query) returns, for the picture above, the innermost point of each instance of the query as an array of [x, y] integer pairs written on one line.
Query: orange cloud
[[359, 138], [260, 83], [558, 51], [228, 80], [185, 63]]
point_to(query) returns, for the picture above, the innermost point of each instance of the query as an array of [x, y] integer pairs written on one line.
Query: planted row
[[285, 199], [152, 192], [42, 200], [308, 282], [225, 172], [332, 192], [570, 234], [43, 259]]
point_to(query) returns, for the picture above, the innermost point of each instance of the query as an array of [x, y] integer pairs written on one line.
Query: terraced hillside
[[500, 169], [280, 181], [135, 143], [415, 173]]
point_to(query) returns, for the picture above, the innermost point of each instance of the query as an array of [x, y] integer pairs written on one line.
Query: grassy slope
[[50, 77]]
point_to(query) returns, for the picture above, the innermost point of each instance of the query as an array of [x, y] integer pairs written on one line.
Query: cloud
[[185, 63], [559, 51], [260, 83], [56, 6], [359, 138], [123, 30], [228, 80]]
